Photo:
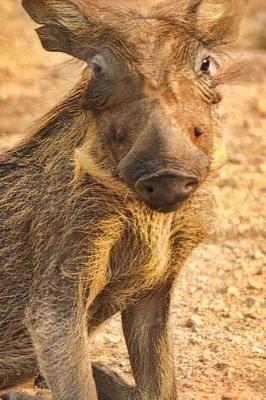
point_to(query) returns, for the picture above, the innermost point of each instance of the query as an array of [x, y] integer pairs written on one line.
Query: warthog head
[[153, 89]]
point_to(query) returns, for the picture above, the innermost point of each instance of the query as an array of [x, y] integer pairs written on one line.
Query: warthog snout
[[166, 190]]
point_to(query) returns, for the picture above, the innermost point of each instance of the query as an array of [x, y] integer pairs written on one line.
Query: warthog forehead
[[153, 45]]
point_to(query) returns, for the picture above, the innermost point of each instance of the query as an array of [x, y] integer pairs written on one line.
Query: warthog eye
[[99, 66], [209, 66], [205, 65], [96, 68]]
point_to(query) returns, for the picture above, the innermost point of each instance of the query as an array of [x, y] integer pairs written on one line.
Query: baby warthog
[[102, 205]]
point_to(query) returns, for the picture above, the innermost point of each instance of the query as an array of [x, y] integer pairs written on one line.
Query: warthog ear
[[64, 27], [219, 20]]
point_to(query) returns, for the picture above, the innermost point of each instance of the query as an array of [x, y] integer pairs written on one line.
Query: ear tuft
[[219, 19], [33, 9], [54, 38], [64, 26], [61, 12]]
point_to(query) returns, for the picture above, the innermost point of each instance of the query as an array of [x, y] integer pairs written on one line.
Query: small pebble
[[261, 104], [250, 301], [254, 284], [112, 339], [237, 339], [206, 356], [195, 340], [262, 168], [257, 255], [193, 322], [256, 349], [233, 291], [221, 365], [229, 396], [226, 314], [236, 159], [250, 315]]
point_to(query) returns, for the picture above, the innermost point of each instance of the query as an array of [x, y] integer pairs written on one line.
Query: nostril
[[149, 189], [198, 132], [145, 188]]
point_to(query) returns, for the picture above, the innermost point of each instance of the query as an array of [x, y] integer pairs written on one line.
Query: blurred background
[[219, 311]]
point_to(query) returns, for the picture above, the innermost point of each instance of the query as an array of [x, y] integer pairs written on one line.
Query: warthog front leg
[[56, 321], [145, 325]]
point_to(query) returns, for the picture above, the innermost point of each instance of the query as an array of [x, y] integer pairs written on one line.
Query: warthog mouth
[[165, 208]]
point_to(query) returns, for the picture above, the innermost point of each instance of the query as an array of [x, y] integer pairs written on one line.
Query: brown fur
[[77, 244]]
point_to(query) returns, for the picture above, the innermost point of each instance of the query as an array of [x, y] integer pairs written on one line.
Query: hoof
[[16, 396], [24, 396]]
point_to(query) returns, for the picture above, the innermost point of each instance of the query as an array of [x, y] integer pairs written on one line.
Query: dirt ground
[[219, 310]]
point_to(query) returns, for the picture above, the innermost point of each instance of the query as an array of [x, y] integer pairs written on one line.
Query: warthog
[[102, 205]]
